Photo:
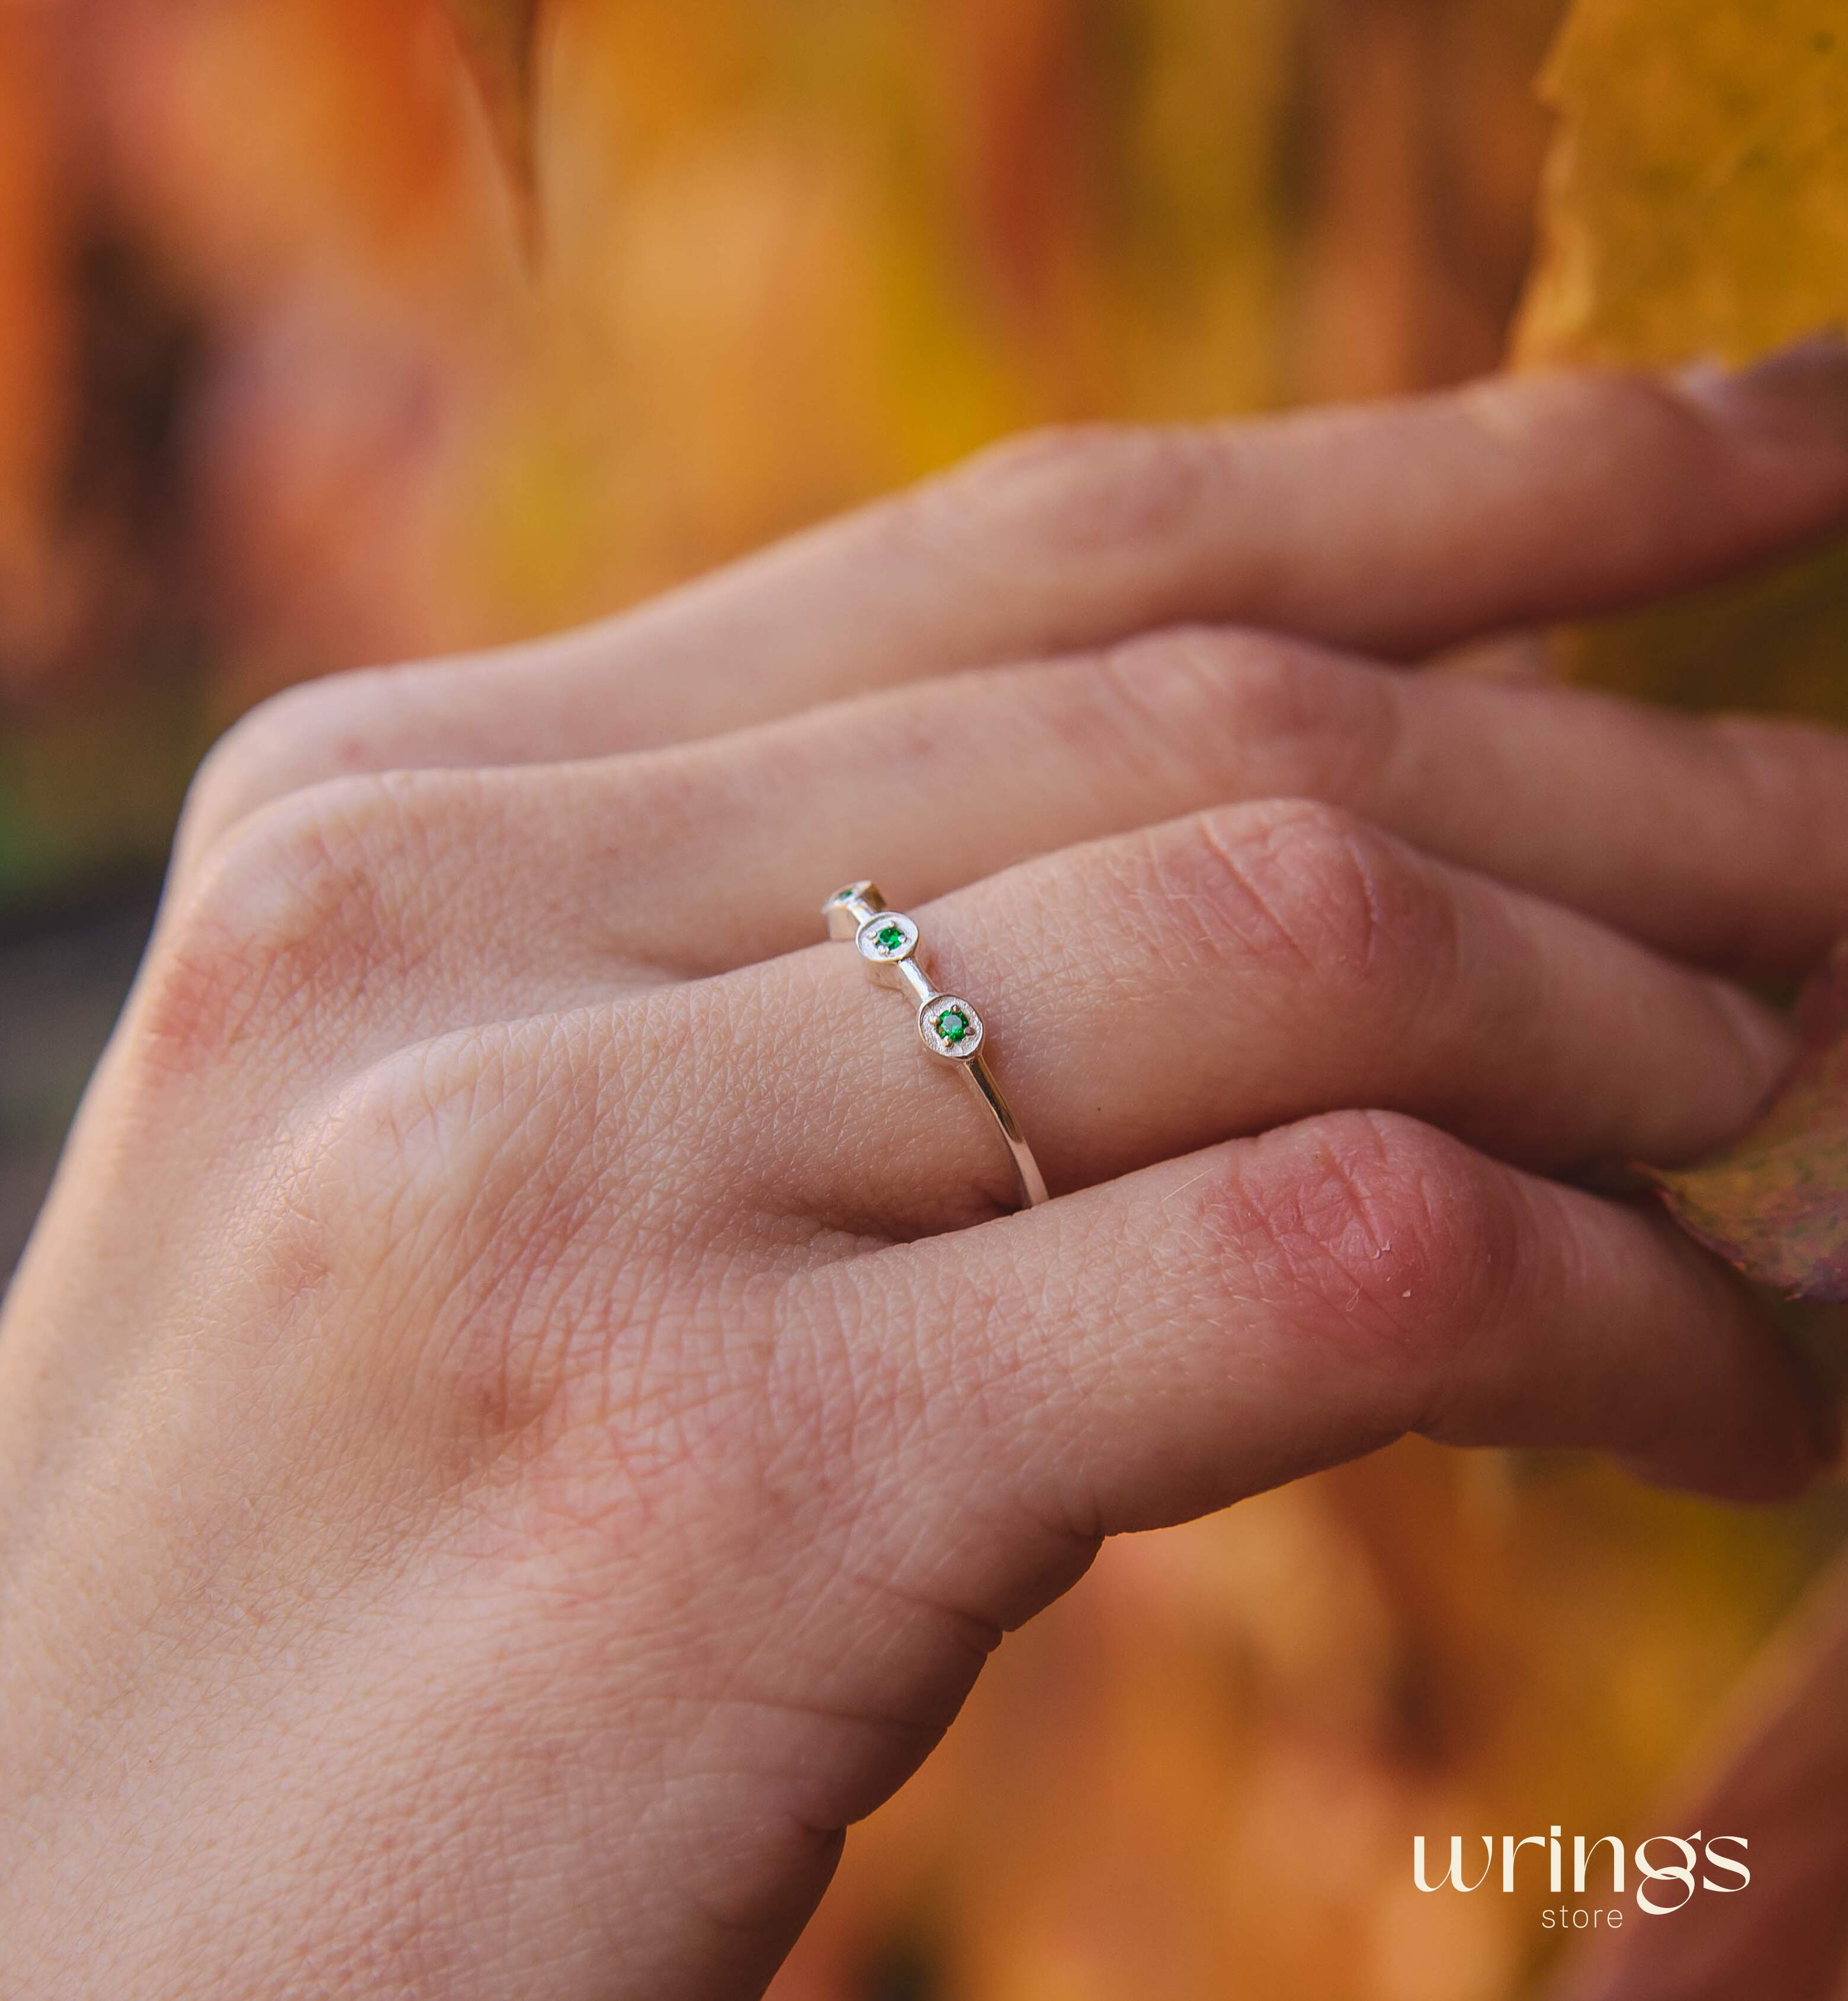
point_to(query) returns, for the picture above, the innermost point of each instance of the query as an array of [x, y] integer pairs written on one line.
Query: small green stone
[[890, 939], [952, 1025]]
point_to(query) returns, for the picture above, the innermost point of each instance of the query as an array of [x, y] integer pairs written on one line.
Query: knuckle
[[514, 1195], [1401, 1240], [1305, 887], [1304, 878], [1781, 783], [1072, 491], [294, 903], [286, 743], [1278, 716], [467, 1181]]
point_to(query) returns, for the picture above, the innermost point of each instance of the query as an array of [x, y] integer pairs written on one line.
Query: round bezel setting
[[950, 1028], [886, 938]]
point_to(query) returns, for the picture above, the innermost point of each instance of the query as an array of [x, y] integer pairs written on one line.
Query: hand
[[524, 1417]]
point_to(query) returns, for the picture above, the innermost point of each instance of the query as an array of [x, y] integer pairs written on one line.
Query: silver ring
[[947, 1026]]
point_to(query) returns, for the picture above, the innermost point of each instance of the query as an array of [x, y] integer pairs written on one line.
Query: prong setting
[[950, 1027], [886, 938], [849, 907]]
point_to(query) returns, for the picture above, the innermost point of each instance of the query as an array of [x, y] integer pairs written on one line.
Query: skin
[[525, 1412]]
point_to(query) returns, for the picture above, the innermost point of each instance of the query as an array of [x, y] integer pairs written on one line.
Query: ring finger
[[1149, 994]]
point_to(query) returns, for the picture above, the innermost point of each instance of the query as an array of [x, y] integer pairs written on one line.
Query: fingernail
[[1765, 1042], [1797, 394]]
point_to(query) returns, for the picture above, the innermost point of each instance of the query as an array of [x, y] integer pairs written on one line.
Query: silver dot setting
[[950, 1028], [886, 938]]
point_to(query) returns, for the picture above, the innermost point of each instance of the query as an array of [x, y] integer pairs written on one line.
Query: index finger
[[1395, 527]]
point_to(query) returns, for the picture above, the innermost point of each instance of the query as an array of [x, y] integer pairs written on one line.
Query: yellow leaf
[[1696, 205]]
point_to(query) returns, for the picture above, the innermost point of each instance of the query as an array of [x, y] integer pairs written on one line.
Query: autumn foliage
[[336, 331]]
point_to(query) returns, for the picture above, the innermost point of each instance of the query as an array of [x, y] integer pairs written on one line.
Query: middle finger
[[1725, 843]]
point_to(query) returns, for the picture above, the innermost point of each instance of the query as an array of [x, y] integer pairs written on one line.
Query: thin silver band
[[948, 1027]]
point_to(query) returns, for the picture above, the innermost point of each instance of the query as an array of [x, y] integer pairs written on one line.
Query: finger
[[1725, 843], [505, 890], [1394, 527], [1161, 1346], [1147, 995]]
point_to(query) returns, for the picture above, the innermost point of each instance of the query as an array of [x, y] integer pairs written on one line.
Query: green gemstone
[[952, 1025], [890, 939]]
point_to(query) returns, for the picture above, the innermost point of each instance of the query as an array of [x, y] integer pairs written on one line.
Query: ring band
[[947, 1026]]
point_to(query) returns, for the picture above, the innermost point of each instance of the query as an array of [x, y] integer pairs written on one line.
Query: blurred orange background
[[296, 375], [292, 379]]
